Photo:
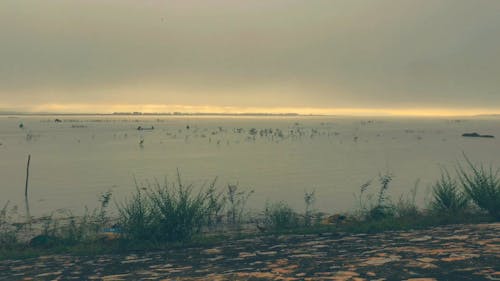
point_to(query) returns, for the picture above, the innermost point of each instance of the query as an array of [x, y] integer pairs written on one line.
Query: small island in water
[[476, 135]]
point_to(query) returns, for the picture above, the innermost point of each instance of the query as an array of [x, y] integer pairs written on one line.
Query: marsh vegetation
[[175, 213]]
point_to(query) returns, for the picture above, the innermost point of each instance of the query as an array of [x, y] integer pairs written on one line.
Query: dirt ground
[[458, 252]]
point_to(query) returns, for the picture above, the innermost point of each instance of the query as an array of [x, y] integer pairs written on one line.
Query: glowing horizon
[[204, 109]]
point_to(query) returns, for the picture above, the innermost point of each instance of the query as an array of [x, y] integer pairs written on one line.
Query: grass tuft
[[447, 198], [175, 212], [482, 186], [280, 216]]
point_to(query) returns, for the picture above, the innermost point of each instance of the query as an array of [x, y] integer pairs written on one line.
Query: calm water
[[77, 159]]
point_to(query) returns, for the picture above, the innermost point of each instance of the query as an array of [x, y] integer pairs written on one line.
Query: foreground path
[[459, 252]]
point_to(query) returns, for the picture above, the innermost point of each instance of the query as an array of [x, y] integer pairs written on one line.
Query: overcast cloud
[[273, 53]]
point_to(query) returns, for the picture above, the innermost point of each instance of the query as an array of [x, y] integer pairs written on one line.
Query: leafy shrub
[[280, 216], [380, 212]]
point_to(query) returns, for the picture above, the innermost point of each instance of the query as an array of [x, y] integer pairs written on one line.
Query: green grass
[[177, 212], [168, 212], [280, 216], [447, 197], [177, 215], [97, 247], [136, 217], [482, 186]]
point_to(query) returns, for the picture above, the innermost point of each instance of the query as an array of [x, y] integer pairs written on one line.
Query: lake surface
[[75, 160]]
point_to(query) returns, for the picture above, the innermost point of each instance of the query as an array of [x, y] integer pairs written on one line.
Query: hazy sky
[[258, 55]]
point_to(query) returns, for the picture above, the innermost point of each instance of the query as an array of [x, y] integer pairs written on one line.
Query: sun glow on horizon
[[160, 108]]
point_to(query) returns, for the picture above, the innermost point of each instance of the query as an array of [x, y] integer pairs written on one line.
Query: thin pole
[[28, 215], [27, 176]]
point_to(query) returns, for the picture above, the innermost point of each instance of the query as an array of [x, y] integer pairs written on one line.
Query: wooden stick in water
[[28, 215], [27, 176]]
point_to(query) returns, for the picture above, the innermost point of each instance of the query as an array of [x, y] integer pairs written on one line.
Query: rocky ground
[[459, 252]]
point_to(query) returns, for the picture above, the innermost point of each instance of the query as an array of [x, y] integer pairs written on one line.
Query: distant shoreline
[[215, 114], [155, 114]]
